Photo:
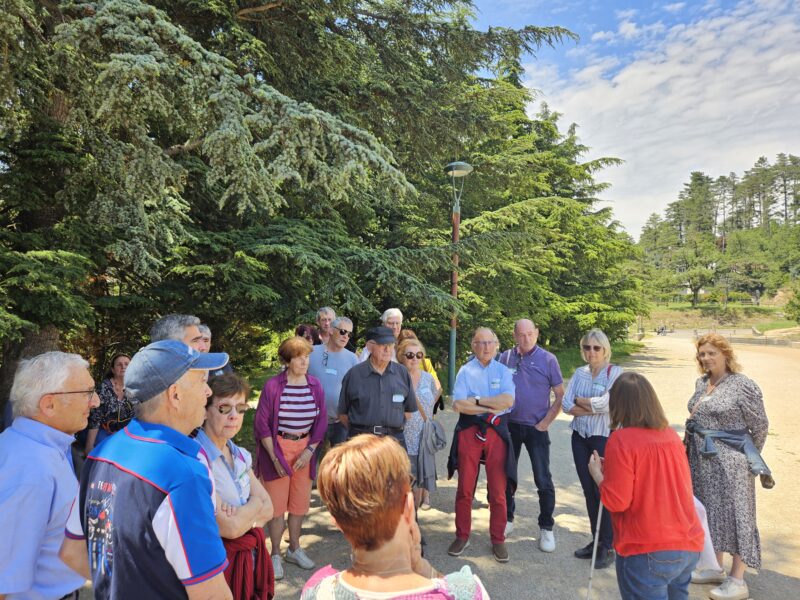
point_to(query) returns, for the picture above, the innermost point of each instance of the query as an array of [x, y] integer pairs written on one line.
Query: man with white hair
[[325, 318], [205, 331], [143, 525], [184, 328], [51, 397], [393, 319]]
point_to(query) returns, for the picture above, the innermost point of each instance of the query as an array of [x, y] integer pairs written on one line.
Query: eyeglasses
[[419, 355], [485, 344], [240, 409], [345, 332], [89, 393], [587, 347]]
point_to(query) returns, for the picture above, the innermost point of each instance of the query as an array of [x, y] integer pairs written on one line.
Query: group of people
[[167, 505]]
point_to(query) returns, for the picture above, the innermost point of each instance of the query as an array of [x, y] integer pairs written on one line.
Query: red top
[[648, 489]]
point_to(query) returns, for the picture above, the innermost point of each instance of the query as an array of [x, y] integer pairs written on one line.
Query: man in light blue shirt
[[330, 362], [483, 395], [51, 395]]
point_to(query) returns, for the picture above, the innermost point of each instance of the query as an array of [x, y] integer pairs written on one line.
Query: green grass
[[779, 324]]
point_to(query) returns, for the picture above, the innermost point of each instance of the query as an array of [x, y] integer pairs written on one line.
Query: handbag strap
[[421, 410]]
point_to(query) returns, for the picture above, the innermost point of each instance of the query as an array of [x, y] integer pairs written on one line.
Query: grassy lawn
[[779, 324], [710, 314]]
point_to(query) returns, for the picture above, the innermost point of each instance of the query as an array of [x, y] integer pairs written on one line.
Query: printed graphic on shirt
[[100, 525]]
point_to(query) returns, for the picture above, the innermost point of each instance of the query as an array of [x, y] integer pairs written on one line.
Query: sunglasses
[[419, 355], [225, 409], [345, 332], [587, 347]]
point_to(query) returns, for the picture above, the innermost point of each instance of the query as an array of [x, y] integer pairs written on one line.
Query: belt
[[376, 429], [292, 436]]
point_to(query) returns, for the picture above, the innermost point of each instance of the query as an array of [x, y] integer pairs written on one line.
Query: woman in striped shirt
[[290, 422], [586, 399]]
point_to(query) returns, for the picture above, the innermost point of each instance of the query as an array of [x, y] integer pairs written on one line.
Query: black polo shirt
[[369, 398]]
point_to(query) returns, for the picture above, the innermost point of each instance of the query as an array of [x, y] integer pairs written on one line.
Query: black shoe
[[585, 552], [604, 558]]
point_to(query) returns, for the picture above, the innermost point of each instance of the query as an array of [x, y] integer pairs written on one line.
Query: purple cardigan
[[266, 424]]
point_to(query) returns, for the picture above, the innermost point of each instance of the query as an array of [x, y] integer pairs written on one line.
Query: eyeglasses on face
[[420, 355], [587, 347], [485, 343], [346, 332], [89, 393], [225, 409]]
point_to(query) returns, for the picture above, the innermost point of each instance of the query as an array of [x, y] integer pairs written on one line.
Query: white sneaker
[[708, 576], [277, 566], [730, 590], [547, 541], [300, 558], [509, 528]]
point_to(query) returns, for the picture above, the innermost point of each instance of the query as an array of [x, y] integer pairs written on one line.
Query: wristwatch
[[477, 400]]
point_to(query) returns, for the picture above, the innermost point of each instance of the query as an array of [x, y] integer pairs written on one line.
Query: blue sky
[[668, 86]]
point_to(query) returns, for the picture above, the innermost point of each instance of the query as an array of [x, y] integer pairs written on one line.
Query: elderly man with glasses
[[483, 395], [51, 397], [329, 363]]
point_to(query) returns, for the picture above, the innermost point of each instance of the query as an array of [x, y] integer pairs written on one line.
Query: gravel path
[[668, 362]]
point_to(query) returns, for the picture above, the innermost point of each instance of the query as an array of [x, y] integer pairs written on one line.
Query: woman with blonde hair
[[586, 399], [726, 430], [365, 483]]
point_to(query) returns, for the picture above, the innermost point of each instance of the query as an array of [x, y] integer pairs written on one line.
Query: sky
[[670, 87]]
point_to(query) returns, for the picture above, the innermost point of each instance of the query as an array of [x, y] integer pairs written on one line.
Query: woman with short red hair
[[366, 485]]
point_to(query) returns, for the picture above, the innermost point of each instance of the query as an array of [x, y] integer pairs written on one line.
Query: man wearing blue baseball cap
[[143, 524]]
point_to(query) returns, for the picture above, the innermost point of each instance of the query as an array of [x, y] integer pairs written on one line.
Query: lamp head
[[458, 169]]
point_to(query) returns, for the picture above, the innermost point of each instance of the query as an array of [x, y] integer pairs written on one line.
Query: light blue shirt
[[474, 379], [330, 368], [583, 385], [232, 485], [37, 489]]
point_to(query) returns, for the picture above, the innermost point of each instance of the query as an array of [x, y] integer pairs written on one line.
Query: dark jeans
[[537, 443], [336, 434], [582, 449], [661, 575]]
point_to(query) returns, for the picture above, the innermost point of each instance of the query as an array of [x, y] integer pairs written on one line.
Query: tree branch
[[243, 13], [179, 148]]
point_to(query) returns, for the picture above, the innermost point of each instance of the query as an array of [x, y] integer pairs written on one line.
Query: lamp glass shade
[[458, 169]]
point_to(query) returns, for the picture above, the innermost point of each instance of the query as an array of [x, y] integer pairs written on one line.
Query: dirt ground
[[668, 362]]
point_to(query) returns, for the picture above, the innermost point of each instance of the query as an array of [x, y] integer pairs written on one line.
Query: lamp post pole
[[455, 170]]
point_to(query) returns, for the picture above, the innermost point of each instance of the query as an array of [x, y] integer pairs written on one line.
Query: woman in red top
[[646, 485]]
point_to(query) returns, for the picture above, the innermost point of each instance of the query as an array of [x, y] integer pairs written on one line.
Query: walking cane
[[594, 550]]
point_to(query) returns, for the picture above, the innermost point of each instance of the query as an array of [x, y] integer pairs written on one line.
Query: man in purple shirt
[[536, 374]]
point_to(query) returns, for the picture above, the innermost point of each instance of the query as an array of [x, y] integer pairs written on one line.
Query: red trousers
[[470, 451]]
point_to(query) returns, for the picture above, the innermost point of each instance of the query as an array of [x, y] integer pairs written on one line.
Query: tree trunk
[[33, 343]]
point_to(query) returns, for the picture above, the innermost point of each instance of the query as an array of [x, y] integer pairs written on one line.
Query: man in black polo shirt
[[377, 395]]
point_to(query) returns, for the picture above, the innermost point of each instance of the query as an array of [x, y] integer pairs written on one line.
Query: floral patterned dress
[[724, 483], [112, 414], [426, 392]]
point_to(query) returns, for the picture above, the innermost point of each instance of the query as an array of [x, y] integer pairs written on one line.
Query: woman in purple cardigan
[[290, 422]]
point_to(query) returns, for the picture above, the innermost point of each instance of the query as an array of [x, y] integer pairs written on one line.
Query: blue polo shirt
[[535, 374], [474, 379], [146, 509], [37, 488]]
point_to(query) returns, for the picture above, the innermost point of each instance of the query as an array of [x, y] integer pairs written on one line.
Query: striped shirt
[[297, 410], [583, 385]]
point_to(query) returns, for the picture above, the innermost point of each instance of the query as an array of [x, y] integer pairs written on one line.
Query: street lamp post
[[456, 170]]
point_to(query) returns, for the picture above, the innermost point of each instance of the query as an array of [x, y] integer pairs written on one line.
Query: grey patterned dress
[[724, 483]]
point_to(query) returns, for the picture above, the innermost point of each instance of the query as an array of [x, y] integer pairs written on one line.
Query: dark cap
[[156, 367], [379, 335]]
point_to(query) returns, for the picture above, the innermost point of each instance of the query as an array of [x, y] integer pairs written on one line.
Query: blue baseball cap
[[156, 367]]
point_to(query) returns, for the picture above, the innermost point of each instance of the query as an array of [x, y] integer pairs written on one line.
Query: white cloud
[[711, 95], [624, 15], [675, 7], [603, 36]]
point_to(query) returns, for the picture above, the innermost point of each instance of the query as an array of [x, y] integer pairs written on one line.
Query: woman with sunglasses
[[243, 506], [291, 421], [411, 354], [586, 399]]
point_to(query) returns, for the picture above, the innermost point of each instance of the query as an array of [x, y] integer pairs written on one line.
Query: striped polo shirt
[[297, 410]]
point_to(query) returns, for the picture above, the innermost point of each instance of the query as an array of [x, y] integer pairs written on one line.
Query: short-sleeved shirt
[[146, 509], [330, 368], [232, 484], [535, 373], [37, 489], [370, 398], [474, 379]]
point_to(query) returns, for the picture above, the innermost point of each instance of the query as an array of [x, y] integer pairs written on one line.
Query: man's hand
[[542, 425]]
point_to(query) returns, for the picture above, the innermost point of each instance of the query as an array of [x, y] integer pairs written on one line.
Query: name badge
[[495, 384], [330, 371], [398, 398]]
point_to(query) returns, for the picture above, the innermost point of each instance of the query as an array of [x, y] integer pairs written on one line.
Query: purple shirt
[[535, 373]]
